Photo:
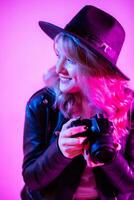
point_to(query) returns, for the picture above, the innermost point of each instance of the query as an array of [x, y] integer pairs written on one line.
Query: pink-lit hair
[[113, 97], [50, 78], [103, 87]]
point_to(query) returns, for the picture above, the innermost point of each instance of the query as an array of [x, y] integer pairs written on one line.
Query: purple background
[[25, 55]]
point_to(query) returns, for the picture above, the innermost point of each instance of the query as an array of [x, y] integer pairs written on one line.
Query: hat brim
[[52, 30]]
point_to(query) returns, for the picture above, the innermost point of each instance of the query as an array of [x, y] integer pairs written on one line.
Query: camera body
[[99, 133]]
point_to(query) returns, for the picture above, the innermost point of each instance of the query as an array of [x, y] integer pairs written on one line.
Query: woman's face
[[67, 70]]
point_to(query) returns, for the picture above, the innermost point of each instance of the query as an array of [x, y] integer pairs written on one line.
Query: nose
[[60, 66]]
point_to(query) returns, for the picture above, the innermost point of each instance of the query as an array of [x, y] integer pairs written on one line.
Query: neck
[[86, 109]]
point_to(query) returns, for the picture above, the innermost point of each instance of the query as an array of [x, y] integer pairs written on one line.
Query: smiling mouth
[[64, 78]]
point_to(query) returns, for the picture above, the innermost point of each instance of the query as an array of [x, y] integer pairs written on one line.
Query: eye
[[57, 54], [71, 61]]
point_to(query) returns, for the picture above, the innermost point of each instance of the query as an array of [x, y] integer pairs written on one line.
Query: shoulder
[[43, 97]]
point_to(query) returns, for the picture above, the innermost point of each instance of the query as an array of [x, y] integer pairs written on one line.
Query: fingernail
[[85, 127], [81, 140], [79, 117]]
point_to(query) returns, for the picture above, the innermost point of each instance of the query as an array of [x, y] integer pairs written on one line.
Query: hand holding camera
[[99, 134], [70, 144]]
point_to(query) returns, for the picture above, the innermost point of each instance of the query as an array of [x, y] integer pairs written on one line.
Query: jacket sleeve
[[120, 172], [41, 165]]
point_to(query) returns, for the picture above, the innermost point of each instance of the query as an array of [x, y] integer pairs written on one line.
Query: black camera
[[99, 133]]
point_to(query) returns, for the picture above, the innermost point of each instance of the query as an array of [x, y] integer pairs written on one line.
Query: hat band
[[102, 46]]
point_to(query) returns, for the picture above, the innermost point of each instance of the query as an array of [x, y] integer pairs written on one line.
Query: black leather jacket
[[48, 175]]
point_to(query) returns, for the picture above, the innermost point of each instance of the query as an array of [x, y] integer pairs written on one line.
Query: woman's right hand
[[71, 146]]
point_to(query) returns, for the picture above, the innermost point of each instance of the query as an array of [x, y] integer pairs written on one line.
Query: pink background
[[26, 53]]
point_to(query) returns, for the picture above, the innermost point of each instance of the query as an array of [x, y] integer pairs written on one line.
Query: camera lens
[[103, 150], [105, 155]]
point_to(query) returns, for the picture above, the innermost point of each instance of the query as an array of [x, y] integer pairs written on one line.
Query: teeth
[[65, 78]]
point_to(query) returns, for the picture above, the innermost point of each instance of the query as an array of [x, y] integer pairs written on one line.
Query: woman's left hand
[[87, 157]]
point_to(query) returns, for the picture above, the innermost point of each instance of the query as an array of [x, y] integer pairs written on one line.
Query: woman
[[59, 158]]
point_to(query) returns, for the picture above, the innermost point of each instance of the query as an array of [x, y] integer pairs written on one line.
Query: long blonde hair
[[103, 86]]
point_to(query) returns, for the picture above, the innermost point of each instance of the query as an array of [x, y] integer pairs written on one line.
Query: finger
[[77, 152], [68, 123], [73, 141], [73, 153], [100, 115], [117, 146], [74, 130], [90, 163], [86, 146], [73, 148]]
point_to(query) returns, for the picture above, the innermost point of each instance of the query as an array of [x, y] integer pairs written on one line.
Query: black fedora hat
[[97, 30]]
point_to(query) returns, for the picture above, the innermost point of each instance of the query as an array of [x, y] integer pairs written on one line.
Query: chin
[[64, 90], [69, 90]]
